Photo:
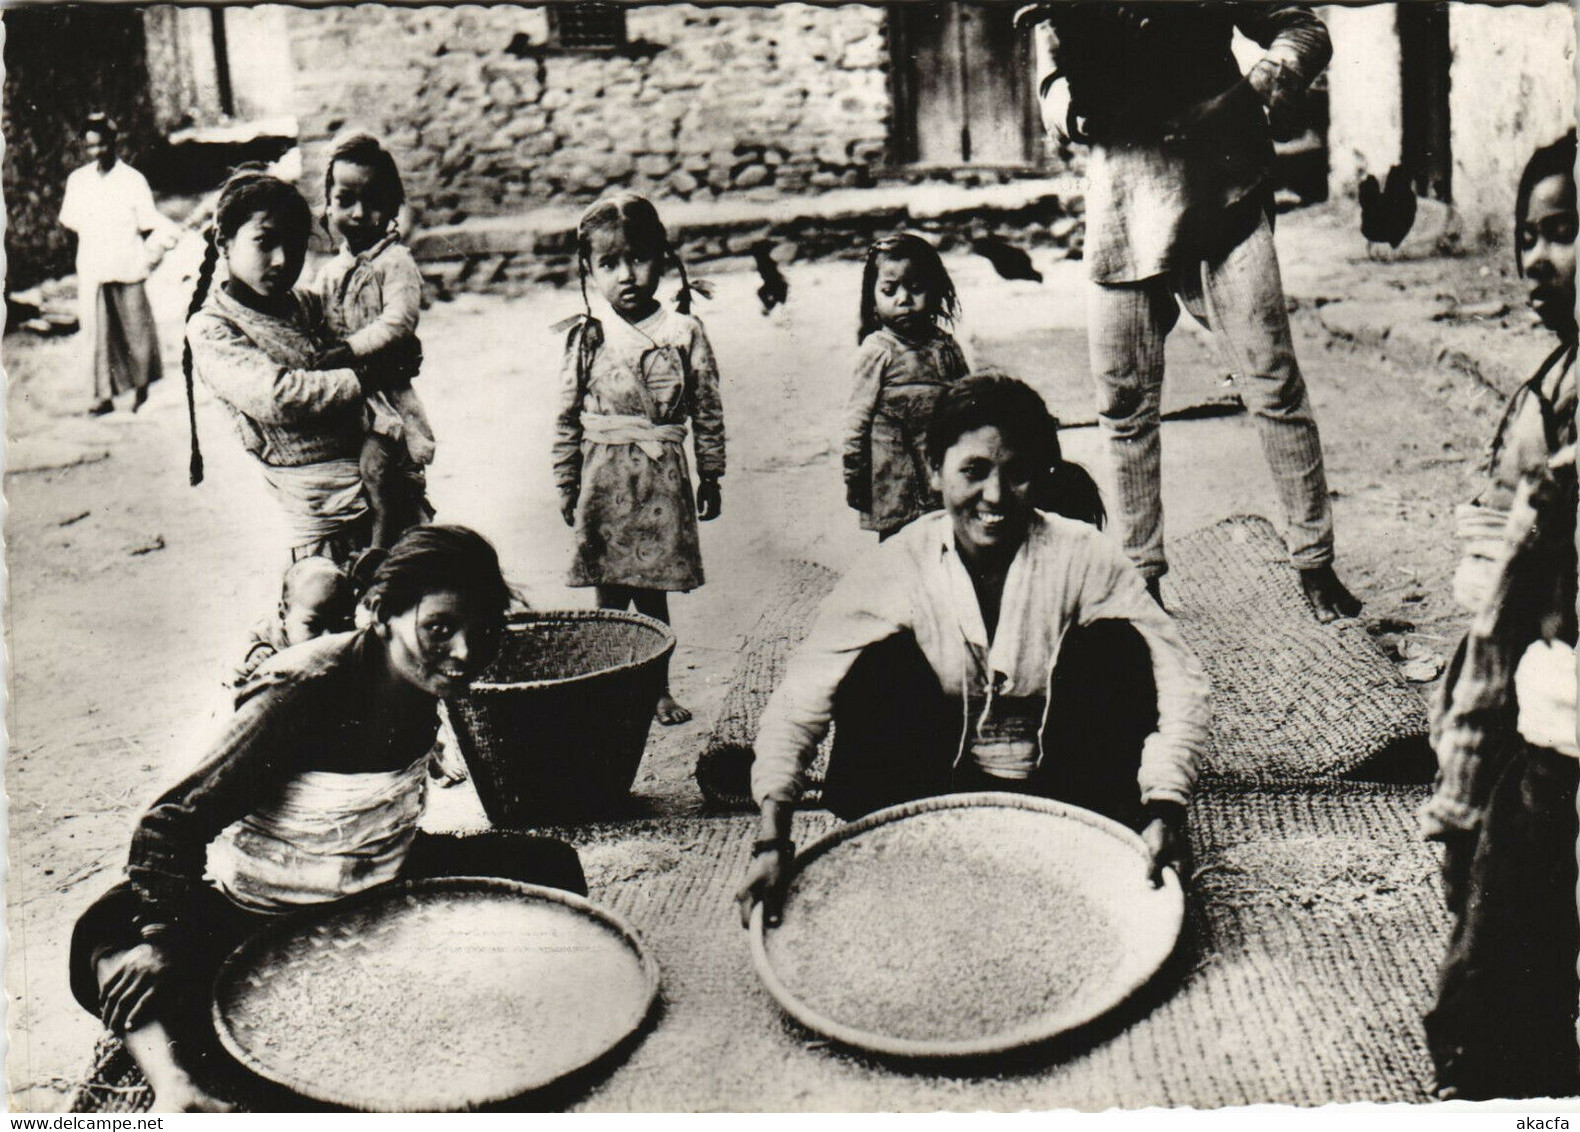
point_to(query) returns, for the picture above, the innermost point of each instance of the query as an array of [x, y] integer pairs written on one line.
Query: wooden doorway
[[962, 85], [1424, 59]]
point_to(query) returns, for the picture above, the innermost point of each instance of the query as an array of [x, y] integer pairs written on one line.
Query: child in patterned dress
[[634, 373], [906, 362]]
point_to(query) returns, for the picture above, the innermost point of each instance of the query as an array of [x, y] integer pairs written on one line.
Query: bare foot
[[669, 713], [184, 1096], [1328, 598]]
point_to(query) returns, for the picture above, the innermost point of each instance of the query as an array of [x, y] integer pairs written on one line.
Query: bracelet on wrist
[[772, 845]]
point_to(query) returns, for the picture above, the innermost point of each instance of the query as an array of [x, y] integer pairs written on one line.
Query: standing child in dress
[[634, 373], [907, 360], [372, 292]]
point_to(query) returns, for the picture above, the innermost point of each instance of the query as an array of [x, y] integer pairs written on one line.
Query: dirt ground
[[131, 592]]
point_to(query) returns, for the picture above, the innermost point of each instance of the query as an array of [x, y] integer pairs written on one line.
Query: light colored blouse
[[1066, 573]]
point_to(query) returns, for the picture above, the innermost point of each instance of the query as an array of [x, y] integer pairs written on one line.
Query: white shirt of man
[[111, 212]]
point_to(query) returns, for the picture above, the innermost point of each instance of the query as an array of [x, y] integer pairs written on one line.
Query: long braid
[[683, 296], [199, 294]]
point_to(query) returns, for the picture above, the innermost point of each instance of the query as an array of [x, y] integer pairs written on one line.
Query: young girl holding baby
[[906, 362], [258, 344], [634, 373]]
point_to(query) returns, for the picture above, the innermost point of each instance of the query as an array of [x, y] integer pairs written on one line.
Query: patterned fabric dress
[[627, 392], [898, 382]]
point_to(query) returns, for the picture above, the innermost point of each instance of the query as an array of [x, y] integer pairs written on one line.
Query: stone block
[[682, 182], [1064, 227], [654, 165], [750, 176]]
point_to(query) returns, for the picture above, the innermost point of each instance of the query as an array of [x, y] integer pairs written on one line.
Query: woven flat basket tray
[[966, 925], [435, 995]]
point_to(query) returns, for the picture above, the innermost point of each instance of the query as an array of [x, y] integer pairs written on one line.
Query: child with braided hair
[[634, 372], [255, 341]]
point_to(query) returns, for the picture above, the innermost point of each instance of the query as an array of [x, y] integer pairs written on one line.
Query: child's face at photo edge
[[903, 297], [357, 215], [264, 256], [1547, 249], [625, 274]]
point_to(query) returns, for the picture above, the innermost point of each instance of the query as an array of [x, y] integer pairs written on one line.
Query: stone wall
[[705, 102], [1513, 90]]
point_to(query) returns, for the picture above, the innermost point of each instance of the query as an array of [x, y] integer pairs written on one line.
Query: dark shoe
[[1326, 595], [102, 408], [141, 398]]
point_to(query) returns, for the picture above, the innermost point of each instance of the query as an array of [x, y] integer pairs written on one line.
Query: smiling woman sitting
[[989, 646], [312, 794]]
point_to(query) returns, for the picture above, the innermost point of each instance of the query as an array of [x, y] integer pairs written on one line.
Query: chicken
[[1386, 212], [1009, 261], [775, 290]]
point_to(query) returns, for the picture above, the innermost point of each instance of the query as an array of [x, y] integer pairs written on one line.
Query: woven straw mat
[[1312, 934], [1292, 700], [724, 768]]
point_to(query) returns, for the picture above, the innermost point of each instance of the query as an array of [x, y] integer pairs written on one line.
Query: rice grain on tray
[[436, 1000], [948, 925]]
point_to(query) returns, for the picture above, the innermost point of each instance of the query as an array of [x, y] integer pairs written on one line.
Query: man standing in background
[[109, 206], [1178, 211]]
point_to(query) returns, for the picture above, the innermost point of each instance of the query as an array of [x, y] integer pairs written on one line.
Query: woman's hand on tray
[[131, 982], [1166, 841], [772, 855], [766, 881]]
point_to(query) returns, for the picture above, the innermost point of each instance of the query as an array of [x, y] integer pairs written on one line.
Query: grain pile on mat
[[724, 768], [951, 925], [432, 1000], [1292, 700]]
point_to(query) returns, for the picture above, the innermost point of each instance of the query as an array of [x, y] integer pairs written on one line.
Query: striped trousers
[[1240, 298]]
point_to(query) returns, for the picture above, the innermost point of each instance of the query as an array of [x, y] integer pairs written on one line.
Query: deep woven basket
[[555, 727]]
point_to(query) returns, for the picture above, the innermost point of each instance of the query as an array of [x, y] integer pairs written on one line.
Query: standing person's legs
[[1240, 296], [1126, 329], [654, 604], [142, 340], [106, 331]]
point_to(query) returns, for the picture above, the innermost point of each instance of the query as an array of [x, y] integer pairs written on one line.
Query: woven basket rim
[[1018, 1037], [236, 962], [666, 636]]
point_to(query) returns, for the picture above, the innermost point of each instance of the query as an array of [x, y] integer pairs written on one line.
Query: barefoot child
[[634, 372], [907, 360], [315, 599], [372, 292]]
